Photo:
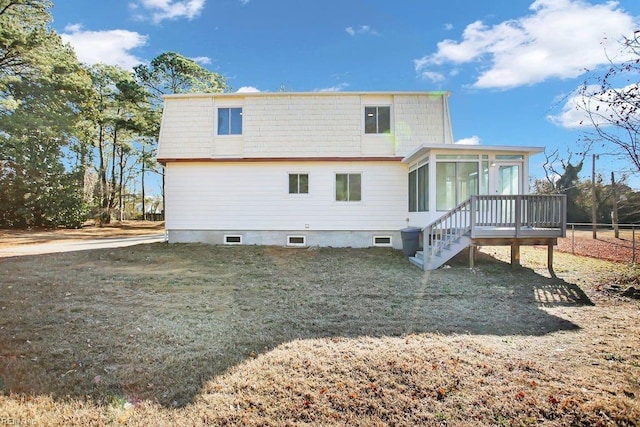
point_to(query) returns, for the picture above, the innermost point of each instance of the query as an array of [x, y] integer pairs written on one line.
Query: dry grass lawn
[[194, 334]]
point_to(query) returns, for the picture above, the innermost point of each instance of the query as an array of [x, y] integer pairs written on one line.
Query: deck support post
[[550, 260], [472, 256], [515, 254]]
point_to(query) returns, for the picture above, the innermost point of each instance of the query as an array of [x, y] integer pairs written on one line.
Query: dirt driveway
[[43, 241]]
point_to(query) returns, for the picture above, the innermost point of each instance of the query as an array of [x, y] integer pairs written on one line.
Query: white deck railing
[[498, 216], [521, 214]]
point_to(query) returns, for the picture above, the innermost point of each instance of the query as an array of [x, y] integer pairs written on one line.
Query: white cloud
[[361, 30], [473, 140], [248, 89], [336, 88], [433, 76], [109, 47], [558, 39], [202, 60], [169, 9], [448, 27], [244, 2], [574, 113]]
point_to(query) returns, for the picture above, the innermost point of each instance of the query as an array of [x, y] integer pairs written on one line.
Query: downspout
[[446, 129]]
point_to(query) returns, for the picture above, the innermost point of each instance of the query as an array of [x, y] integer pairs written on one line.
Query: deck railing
[[519, 213], [486, 215]]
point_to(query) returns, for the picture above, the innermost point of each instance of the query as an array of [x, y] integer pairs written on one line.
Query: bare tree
[[612, 102]]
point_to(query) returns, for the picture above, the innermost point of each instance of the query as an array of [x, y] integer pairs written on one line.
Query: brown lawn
[[194, 334]]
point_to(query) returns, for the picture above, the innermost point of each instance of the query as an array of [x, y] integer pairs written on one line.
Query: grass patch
[[174, 334]]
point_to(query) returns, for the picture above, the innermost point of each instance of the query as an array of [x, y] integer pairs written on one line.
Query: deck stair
[[484, 219]]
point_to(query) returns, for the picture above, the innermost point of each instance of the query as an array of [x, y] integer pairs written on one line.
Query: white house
[[322, 169]]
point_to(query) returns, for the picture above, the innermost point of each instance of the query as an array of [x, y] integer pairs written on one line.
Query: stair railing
[[447, 229]]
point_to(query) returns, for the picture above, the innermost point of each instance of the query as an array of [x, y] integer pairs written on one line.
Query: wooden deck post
[[550, 259], [472, 256], [515, 254]]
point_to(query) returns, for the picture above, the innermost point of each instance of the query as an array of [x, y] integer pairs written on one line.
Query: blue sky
[[511, 65]]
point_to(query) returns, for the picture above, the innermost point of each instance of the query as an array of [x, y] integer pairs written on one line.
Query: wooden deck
[[485, 220]]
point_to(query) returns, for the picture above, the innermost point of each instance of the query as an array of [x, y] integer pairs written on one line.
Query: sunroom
[[468, 195]]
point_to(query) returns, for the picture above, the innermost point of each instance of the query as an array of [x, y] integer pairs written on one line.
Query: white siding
[[296, 126], [301, 125], [186, 130], [255, 196], [420, 119]]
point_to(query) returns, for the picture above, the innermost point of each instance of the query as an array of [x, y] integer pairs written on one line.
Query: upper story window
[[377, 119], [230, 121]]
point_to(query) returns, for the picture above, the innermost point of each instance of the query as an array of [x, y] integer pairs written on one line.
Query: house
[[340, 169]]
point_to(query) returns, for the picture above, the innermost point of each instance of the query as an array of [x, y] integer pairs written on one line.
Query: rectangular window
[[377, 119], [413, 191], [348, 187], [423, 188], [382, 241], [230, 121], [232, 239], [298, 183], [296, 240], [419, 189], [455, 182]]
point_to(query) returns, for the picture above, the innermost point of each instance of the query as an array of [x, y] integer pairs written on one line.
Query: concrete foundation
[[336, 239]]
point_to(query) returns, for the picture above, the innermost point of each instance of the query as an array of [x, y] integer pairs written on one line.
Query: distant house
[[332, 169]]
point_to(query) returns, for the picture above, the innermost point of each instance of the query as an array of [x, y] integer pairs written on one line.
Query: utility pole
[[593, 195], [614, 195]]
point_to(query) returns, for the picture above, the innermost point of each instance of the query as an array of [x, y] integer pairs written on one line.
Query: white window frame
[[414, 168], [234, 236], [364, 119], [383, 245], [298, 245], [335, 177], [217, 124], [299, 194]]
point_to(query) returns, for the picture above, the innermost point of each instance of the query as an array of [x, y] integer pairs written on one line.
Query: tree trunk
[[614, 216], [113, 170], [144, 159]]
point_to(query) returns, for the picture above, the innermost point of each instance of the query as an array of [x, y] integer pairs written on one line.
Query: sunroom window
[[419, 189], [455, 182]]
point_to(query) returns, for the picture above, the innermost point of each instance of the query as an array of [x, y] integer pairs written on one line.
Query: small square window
[[298, 183], [230, 121], [348, 187], [377, 119]]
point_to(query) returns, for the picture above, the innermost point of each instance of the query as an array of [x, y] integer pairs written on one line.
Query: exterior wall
[[187, 128], [254, 197], [296, 126], [420, 119], [301, 125]]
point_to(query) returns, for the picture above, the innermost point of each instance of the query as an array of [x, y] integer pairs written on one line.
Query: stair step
[[417, 261], [443, 255]]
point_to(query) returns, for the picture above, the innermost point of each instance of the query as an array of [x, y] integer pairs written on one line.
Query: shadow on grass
[[157, 321]]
